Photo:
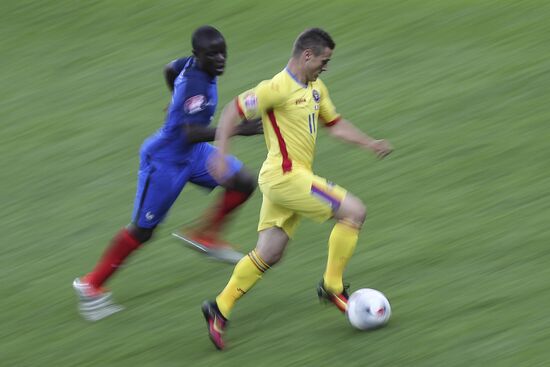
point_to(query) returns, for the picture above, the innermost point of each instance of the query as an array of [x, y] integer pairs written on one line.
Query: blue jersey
[[168, 160], [194, 101]]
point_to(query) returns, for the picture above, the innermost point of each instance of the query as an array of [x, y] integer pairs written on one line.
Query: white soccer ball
[[368, 309]]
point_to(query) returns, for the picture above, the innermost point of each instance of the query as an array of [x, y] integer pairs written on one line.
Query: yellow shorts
[[288, 197]]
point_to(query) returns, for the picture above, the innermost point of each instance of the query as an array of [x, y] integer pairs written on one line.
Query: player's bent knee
[[247, 186], [361, 213], [271, 245], [243, 181], [247, 183], [141, 234], [271, 255], [353, 211], [272, 259]]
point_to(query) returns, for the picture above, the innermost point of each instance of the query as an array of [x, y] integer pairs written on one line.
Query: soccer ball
[[368, 309]]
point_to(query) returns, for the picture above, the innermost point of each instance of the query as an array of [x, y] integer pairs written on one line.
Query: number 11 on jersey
[[311, 121]]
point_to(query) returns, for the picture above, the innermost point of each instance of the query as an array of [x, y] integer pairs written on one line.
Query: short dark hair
[[315, 39], [201, 34]]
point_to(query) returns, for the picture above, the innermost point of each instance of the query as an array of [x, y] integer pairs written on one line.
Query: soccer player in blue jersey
[[176, 154]]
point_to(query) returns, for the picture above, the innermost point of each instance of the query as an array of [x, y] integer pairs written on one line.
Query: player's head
[[209, 49], [313, 48]]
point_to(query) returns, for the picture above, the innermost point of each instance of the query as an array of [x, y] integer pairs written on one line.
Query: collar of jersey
[[192, 64], [295, 78]]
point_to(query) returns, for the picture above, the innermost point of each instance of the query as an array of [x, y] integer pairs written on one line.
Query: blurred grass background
[[457, 235]]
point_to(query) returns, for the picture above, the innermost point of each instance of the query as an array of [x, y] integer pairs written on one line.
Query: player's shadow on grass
[[153, 292]]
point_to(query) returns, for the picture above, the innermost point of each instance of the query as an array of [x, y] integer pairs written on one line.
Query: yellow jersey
[[290, 112]]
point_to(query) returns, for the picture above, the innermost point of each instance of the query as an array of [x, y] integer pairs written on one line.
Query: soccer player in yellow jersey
[[292, 105]]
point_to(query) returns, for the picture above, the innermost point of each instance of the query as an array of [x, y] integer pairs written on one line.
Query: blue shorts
[[160, 183]]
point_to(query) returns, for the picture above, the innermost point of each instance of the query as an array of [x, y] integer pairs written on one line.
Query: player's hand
[[217, 167], [381, 148], [250, 127]]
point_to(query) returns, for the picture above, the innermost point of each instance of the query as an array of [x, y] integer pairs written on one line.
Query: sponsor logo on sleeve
[[251, 102], [194, 104]]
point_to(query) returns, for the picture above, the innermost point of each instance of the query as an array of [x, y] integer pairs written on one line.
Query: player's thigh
[[274, 215], [201, 175], [308, 195], [158, 187]]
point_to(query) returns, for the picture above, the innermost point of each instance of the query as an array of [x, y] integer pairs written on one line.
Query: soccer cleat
[[339, 300], [94, 304], [215, 322], [209, 245]]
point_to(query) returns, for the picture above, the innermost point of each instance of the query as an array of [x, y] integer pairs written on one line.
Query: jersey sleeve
[[264, 97], [189, 101], [178, 64], [327, 111]]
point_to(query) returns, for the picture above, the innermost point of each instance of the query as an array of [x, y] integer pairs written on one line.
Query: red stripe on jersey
[[287, 163], [239, 109], [333, 122]]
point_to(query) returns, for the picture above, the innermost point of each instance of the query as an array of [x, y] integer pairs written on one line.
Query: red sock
[[230, 200], [122, 245]]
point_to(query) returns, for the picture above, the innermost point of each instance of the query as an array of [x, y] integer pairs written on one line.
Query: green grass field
[[457, 234]]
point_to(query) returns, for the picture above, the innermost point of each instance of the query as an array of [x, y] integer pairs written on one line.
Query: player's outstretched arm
[[227, 127], [199, 133], [346, 131]]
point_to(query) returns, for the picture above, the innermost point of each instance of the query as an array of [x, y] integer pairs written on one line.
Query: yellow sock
[[246, 273], [341, 245]]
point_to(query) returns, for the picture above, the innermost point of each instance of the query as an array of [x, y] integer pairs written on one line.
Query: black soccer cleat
[[215, 322], [340, 300]]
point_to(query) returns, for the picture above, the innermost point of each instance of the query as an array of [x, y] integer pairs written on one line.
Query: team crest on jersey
[[194, 104], [316, 96], [251, 102]]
